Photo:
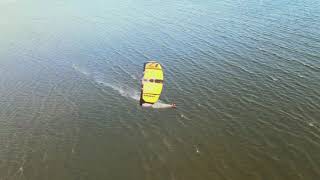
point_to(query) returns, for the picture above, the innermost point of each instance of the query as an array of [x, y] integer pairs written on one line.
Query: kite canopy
[[152, 82]]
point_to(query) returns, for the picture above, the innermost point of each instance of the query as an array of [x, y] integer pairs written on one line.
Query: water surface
[[245, 76]]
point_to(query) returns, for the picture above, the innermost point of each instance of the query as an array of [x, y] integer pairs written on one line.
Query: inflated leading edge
[[152, 83]]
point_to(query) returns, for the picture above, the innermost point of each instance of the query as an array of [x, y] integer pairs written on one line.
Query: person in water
[[158, 105]]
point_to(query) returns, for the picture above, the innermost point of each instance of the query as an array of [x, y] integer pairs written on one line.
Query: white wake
[[123, 90]]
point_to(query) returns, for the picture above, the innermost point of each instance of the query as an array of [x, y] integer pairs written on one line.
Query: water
[[245, 76]]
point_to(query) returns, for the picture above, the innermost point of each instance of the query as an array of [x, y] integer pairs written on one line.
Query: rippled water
[[245, 76]]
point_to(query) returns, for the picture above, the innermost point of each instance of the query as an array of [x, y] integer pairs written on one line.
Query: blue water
[[245, 76]]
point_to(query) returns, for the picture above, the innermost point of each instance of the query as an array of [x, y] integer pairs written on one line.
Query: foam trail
[[135, 77], [80, 70], [123, 90]]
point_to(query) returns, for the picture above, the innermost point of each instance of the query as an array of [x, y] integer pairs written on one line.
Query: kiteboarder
[[151, 86]]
